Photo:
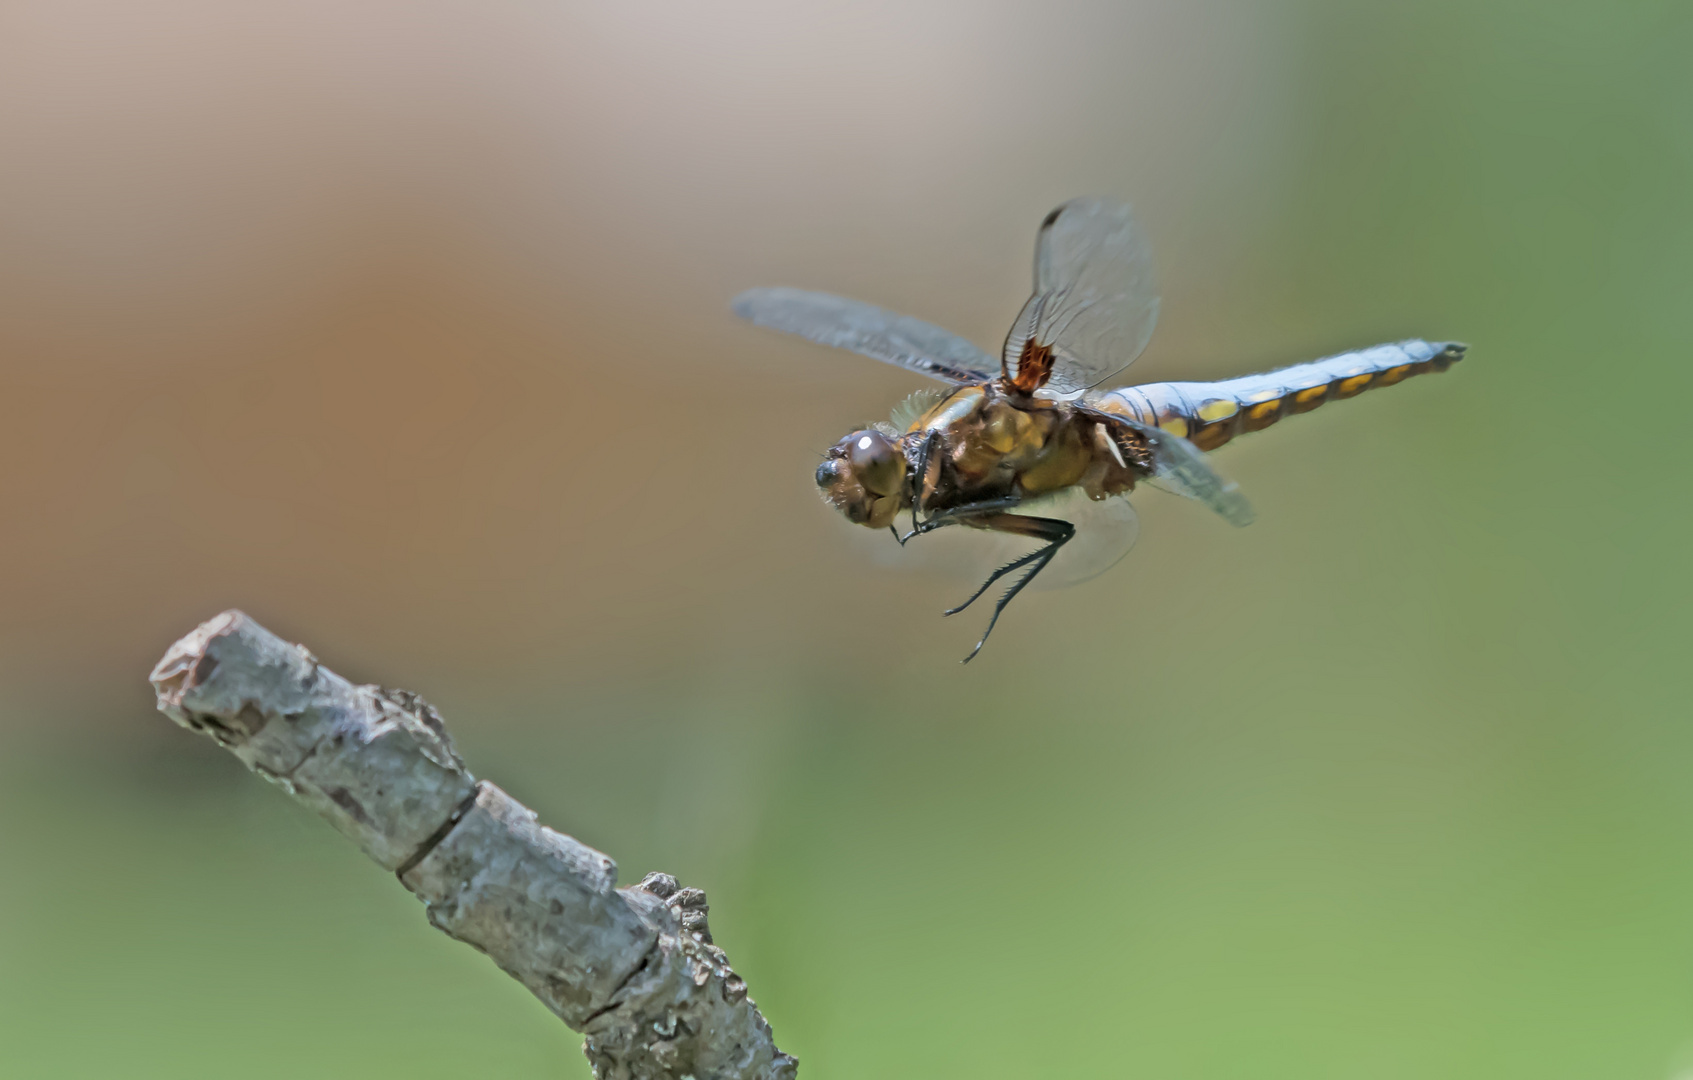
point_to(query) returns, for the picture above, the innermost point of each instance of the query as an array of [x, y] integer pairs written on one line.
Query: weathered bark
[[634, 969]]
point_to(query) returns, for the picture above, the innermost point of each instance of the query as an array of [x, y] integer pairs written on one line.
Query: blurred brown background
[[404, 327], [408, 324]]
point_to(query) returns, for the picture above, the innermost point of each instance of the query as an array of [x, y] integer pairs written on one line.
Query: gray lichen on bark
[[634, 969]]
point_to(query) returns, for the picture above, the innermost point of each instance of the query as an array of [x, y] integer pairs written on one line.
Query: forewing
[[1095, 300], [871, 331]]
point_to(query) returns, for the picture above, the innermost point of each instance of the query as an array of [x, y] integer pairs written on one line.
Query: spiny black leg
[[917, 486], [961, 515], [1015, 564], [1056, 533], [921, 484], [1047, 553]]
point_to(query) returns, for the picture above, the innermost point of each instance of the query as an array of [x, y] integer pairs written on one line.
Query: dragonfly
[[1007, 446]]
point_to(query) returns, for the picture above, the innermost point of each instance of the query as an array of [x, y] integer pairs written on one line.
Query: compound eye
[[870, 449], [875, 462]]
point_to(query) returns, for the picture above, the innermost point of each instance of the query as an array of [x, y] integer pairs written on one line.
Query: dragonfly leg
[[960, 515], [1055, 532], [922, 486]]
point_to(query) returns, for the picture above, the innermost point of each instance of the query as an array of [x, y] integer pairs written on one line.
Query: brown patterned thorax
[[1000, 443]]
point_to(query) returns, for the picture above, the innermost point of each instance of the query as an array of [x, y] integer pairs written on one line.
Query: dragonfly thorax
[[1001, 443], [978, 443]]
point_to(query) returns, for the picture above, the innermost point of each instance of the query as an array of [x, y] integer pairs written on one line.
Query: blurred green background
[[404, 327]]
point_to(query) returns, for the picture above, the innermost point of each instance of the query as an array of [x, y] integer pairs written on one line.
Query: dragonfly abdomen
[[1212, 413]]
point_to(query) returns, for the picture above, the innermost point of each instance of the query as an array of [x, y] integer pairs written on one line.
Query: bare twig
[[634, 969]]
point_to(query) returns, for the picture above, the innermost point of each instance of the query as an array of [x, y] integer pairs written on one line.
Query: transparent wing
[[1095, 301], [1182, 469], [1105, 531], [871, 331]]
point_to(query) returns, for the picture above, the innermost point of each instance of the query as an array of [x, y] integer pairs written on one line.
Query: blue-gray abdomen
[[1212, 413]]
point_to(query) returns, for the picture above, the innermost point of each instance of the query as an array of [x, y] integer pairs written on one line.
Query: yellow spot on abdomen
[[1175, 425], [1310, 398], [1355, 385], [1262, 415], [1220, 409]]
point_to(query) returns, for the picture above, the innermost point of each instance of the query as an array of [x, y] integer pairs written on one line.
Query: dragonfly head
[[863, 477]]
